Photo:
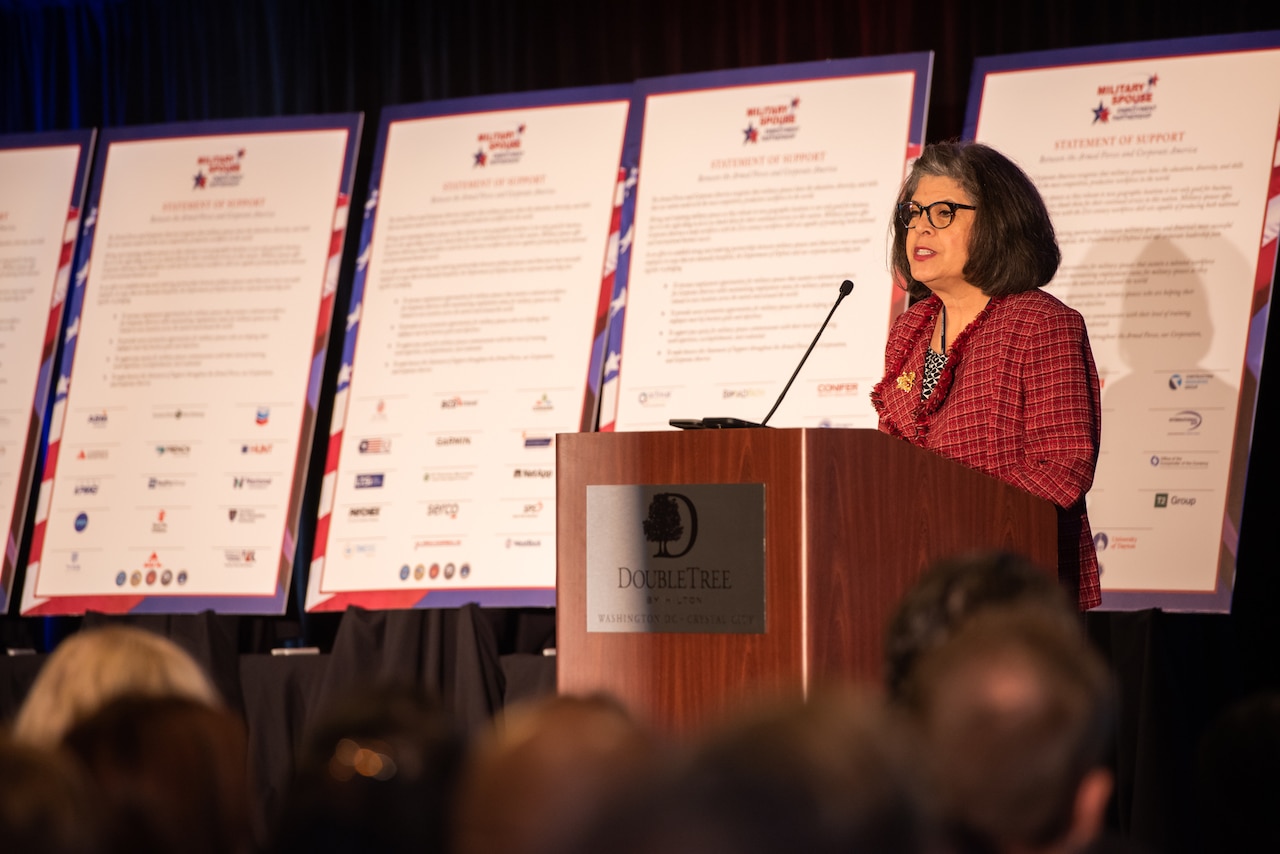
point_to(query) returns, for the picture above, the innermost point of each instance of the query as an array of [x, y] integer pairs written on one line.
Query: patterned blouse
[[934, 362]]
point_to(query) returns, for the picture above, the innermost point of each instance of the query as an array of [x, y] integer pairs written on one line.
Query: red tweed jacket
[[1018, 399]]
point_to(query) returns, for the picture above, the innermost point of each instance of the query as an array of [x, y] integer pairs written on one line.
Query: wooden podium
[[852, 519]]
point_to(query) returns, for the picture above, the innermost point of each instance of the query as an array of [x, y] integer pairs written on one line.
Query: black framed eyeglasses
[[940, 214]]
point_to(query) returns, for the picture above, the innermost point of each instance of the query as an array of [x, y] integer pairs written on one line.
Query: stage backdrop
[[1159, 164], [194, 348], [43, 176]]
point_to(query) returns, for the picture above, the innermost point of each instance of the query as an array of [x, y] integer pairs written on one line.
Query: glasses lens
[[908, 212]]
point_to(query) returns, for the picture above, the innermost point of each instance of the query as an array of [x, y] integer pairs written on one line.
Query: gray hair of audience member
[[834, 773], [1017, 711], [94, 666], [954, 589]]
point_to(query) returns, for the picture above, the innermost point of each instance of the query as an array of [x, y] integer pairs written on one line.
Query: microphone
[[846, 288]]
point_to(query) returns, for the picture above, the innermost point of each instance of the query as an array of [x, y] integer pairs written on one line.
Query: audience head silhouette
[[539, 775], [377, 773], [832, 774], [1015, 711], [170, 772], [955, 589], [46, 804]]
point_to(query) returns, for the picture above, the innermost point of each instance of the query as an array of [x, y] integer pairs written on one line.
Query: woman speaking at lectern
[[986, 368]]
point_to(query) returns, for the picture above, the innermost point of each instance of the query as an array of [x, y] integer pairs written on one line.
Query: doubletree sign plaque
[[676, 558]]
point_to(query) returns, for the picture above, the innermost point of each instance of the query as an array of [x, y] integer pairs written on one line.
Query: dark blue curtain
[[104, 63]]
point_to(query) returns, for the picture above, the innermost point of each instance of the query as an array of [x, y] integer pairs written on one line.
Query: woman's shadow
[[1170, 477]]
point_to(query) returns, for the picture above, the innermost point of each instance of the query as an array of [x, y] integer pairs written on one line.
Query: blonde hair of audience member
[[540, 775], [1016, 711], [94, 666]]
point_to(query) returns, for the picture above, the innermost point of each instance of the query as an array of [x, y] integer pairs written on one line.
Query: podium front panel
[[852, 518]]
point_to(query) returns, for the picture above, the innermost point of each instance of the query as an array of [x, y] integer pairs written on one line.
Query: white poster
[[756, 198], [42, 181], [182, 427], [470, 338], [1156, 169]]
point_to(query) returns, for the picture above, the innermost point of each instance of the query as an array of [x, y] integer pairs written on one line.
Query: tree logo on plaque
[[665, 524]]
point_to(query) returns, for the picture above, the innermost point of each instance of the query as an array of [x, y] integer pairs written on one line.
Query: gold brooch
[[906, 379]]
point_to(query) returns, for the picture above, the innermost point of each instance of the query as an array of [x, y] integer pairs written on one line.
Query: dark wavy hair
[[1012, 246]]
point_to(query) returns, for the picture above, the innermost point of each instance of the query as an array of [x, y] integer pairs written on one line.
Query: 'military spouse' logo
[[218, 170], [496, 147], [1132, 100], [771, 122]]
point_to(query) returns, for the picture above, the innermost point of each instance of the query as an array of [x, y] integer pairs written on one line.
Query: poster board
[[474, 335], [757, 192], [43, 177], [194, 346], [1158, 162]]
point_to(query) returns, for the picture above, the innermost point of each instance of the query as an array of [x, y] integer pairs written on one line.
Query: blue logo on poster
[[404, 572], [82, 521], [368, 481], [121, 578]]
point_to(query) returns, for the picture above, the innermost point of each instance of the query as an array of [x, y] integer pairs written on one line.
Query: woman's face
[[937, 255]]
